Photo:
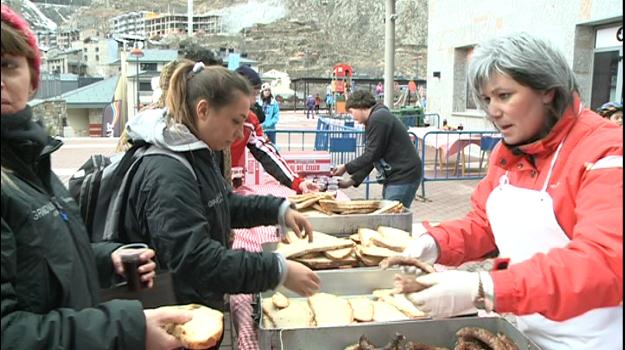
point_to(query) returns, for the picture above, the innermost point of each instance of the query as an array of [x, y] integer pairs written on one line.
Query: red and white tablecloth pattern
[[251, 240], [241, 310]]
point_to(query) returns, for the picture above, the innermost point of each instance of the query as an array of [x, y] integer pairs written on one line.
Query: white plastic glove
[[451, 293], [423, 248]]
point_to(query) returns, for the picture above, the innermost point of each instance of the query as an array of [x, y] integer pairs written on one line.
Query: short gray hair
[[530, 61]]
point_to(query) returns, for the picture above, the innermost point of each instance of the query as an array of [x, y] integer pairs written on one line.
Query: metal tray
[[345, 225], [347, 282], [434, 332]]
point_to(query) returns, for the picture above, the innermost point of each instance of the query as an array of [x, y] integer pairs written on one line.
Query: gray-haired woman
[[551, 203]]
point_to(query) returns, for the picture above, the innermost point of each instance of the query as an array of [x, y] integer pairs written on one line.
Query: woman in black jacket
[[187, 214], [49, 269]]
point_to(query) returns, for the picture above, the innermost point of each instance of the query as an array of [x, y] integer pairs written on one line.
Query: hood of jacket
[[152, 127]]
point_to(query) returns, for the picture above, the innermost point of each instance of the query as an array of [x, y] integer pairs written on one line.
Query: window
[[605, 75], [462, 100], [97, 58], [148, 67], [145, 86], [470, 104]]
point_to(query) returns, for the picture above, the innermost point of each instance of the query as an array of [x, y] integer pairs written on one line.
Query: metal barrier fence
[[445, 155], [454, 155]]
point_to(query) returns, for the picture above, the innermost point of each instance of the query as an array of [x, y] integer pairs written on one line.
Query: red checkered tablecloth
[[241, 310]]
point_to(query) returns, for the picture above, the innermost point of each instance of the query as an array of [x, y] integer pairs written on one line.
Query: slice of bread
[[365, 235], [384, 312], [203, 331], [297, 315], [279, 300], [330, 310], [362, 308]]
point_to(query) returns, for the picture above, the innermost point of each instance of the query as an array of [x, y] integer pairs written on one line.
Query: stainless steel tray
[[348, 282], [345, 225], [434, 332]]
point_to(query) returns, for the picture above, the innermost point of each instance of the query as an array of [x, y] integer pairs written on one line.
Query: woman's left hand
[[298, 223], [146, 268]]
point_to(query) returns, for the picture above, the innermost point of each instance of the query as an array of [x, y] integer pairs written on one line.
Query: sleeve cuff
[[283, 270], [503, 290], [489, 290], [284, 207], [295, 185]]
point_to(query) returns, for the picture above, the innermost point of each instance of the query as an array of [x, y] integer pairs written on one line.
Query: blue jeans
[[405, 193]]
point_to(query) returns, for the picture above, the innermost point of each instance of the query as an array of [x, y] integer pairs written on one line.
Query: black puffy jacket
[[49, 269], [188, 222]]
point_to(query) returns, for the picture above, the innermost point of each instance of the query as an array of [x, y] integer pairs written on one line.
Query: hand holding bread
[[201, 329]]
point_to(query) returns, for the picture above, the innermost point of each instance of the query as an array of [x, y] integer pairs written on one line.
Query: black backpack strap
[[114, 229]]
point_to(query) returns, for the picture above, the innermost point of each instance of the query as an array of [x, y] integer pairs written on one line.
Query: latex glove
[[423, 248], [298, 222], [308, 186], [146, 269], [451, 293], [345, 183], [301, 279], [156, 338], [339, 170]]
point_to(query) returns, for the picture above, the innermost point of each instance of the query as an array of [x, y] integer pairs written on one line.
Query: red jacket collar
[[547, 145]]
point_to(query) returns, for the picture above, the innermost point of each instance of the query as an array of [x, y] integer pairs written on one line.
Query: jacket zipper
[[60, 209]]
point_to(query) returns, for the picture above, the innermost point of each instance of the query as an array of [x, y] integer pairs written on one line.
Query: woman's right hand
[[156, 338], [301, 279]]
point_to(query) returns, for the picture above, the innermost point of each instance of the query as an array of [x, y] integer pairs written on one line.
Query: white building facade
[[588, 32]]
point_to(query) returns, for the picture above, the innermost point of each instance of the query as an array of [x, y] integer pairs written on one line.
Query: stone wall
[[52, 113]]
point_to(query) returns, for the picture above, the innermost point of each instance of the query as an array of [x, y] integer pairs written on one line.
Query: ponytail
[[192, 82], [180, 110]]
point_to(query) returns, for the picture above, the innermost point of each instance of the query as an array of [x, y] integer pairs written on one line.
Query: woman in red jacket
[[551, 204]]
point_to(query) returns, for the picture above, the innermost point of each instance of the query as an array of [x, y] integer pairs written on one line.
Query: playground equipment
[[341, 86]]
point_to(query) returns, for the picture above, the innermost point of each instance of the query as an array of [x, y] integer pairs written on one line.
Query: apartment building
[[64, 38], [131, 23], [165, 24], [98, 53]]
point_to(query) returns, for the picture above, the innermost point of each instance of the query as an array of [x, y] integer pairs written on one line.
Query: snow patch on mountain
[[36, 18], [240, 16]]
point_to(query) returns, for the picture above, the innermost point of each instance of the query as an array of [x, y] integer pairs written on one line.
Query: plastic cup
[[130, 255]]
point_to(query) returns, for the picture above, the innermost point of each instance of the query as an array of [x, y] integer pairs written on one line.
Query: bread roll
[[203, 331]]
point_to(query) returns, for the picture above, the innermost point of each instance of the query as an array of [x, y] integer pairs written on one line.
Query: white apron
[[524, 223]]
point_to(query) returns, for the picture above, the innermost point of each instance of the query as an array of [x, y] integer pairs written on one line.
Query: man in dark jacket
[[388, 148]]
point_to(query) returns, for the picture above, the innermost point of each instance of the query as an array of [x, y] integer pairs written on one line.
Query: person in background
[[329, 102], [388, 148], [187, 214], [51, 274], [271, 110], [379, 90], [612, 111], [310, 107], [317, 104], [549, 204], [264, 151]]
